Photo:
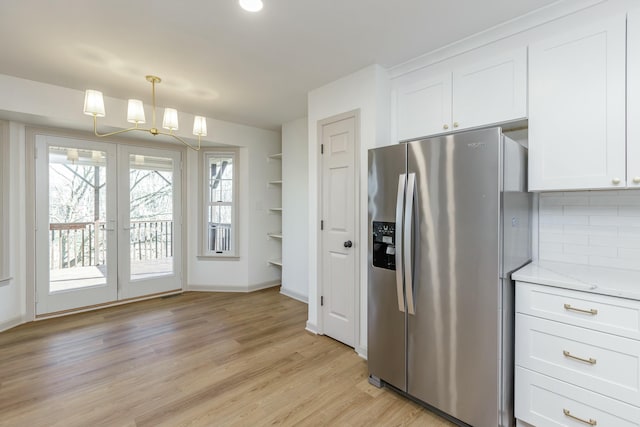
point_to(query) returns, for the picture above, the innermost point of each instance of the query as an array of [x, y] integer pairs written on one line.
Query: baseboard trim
[[362, 352], [230, 288], [311, 328], [12, 323], [295, 295]]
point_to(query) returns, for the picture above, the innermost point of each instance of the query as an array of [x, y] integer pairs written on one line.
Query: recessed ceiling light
[[251, 5]]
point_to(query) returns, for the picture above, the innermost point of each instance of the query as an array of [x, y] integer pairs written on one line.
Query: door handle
[[408, 241], [402, 178], [348, 244]]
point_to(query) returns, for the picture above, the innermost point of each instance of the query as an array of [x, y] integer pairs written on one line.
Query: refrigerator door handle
[[402, 178], [408, 242]]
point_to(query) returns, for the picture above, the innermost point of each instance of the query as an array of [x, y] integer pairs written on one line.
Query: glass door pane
[[149, 250], [151, 216], [76, 264], [77, 218]]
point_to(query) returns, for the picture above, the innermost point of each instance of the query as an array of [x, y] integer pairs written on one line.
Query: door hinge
[[321, 301], [321, 148], [322, 224]]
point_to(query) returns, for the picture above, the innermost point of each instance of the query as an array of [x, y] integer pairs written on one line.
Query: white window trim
[[5, 178], [203, 252]]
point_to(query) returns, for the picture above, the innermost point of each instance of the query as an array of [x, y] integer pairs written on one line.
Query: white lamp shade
[[170, 119], [251, 5], [135, 111], [200, 126], [93, 103]]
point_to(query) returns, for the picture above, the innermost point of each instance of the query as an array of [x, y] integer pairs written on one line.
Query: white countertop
[[598, 280]]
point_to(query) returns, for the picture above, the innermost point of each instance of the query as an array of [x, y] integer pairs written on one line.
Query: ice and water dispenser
[[384, 245]]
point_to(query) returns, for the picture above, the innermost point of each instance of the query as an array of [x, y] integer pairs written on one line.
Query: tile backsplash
[[600, 228]]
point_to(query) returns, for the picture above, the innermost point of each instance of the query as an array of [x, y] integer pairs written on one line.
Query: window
[[219, 214]]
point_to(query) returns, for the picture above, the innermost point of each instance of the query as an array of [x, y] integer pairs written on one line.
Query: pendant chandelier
[[94, 106]]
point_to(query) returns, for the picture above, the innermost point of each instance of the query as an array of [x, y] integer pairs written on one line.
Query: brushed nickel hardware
[[445, 127], [636, 179], [590, 421], [455, 124], [590, 360], [616, 181], [591, 311]]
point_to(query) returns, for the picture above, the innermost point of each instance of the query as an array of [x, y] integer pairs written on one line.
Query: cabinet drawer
[[594, 360], [543, 401], [603, 313]]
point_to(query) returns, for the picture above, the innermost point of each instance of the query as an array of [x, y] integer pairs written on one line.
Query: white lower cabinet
[[577, 358]]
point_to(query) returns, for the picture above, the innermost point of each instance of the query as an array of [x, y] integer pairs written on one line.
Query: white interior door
[[76, 239], [149, 255], [339, 244]]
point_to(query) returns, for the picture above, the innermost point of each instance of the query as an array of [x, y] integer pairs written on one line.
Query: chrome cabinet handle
[[590, 360], [590, 422], [402, 178], [591, 311], [408, 250]]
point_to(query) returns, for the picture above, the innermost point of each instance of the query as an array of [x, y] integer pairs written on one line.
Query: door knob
[[636, 180], [445, 127], [348, 244], [455, 124], [616, 181]]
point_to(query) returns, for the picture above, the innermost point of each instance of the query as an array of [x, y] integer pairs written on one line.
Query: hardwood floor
[[198, 359]]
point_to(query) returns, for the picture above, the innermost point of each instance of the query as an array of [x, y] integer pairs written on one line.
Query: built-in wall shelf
[[277, 235], [276, 262]]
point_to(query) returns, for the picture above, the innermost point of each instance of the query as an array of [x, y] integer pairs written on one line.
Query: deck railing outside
[[82, 244]]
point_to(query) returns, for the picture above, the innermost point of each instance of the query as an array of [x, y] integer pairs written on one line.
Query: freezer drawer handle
[[590, 422], [591, 311], [402, 178], [590, 360]]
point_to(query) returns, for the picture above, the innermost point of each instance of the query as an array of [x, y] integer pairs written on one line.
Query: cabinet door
[[491, 91], [633, 100], [577, 108], [423, 107]]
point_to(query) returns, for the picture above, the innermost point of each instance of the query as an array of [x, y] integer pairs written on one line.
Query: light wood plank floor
[[197, 359]]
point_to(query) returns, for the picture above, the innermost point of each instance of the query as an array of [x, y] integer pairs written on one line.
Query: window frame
[[5, 179], [205, 193]]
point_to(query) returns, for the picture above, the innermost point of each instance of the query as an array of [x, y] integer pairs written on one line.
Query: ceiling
[[217, 60]]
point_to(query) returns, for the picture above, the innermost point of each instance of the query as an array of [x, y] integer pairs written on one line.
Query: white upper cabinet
[[431, 101], [424, 107], [633, 100], [491, 91], [577, 108]]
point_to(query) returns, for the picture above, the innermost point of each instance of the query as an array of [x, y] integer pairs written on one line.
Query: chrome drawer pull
[[590, 360], [591, 311], [590, 421]]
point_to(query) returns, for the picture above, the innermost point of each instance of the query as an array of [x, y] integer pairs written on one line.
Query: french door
[[108, 222]]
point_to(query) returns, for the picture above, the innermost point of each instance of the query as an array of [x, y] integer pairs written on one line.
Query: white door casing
[[115, 278], [339, 244]]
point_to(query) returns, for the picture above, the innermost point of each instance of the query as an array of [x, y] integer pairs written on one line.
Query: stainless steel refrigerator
[[449, 220]]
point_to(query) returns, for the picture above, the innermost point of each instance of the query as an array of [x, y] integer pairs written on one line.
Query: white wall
[[43, 104], [295, 209], [368, 91], [12, 292]]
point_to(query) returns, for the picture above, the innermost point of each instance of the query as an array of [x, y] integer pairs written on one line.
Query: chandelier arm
[[101, 135], [194, 148]]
